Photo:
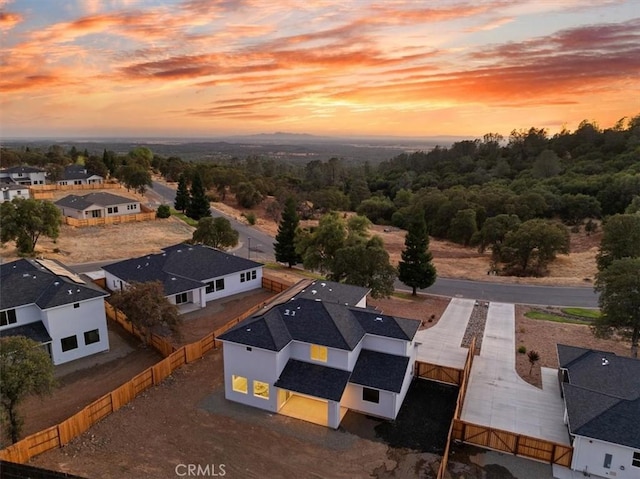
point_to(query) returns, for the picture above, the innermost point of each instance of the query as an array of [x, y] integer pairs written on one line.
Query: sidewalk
[[497, 397], [441, 343]]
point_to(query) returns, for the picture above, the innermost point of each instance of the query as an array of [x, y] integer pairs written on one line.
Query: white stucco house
[[97, 205], [9, 192], [192, 275], [319, 355], [601, 394], [78, 175], [23, 175], [44, 301]]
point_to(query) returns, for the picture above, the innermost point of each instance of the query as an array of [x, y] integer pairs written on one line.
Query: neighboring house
[[44, 301], [97, 205], [192, 275], [9, 192], [314, 357], [78, 175], [23, 175], [602, 410]]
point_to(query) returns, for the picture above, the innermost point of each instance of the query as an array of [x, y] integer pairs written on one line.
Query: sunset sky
[[173, 68]]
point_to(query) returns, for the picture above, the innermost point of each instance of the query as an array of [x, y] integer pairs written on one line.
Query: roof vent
[[249, 330], [138, 267], [378, 318], [173, 279], [313, 291], [69, 291], [56, 283], [605, 362], [318, 299], [323, 284], [25, 275]]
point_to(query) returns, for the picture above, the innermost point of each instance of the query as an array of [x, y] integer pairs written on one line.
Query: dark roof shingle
[[380, 370], [313, 379]]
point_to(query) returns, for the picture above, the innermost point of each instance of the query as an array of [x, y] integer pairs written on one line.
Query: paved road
[[261, 249]]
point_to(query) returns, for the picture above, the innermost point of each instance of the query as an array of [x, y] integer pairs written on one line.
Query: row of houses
[[15, 181], [315, 356]]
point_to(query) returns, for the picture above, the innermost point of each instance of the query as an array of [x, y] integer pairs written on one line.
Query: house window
[[371, 395], [112, 209], [211, 287], [69, 343], [95, 213], [607, 461], [76, 305], [249, 348], [8, 317], [239, 384], [181, 298], [319, 353], [77, 182], [253, 274], [91, 337], [219, 284], [636, 459], [242, 277], [260, 389]]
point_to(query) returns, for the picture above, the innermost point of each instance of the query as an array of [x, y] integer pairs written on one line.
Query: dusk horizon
[[204, 69]]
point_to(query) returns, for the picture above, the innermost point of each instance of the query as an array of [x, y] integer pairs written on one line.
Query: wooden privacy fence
[[61, 434], [514, 443], [147, 215], [464, 383], [45, 192]]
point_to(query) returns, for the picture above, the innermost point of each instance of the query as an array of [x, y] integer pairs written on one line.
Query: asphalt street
[[259, 246]]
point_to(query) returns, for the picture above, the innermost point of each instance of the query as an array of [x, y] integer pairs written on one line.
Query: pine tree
[[285, 249], [198, 206], [416, 268], [181, 202]]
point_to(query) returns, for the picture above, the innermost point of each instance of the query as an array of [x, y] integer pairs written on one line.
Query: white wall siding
[[113, 282], [336, 358], [257, 364], [384, 345], [352, 398], [589, 455], [66, 321], [24, 315]]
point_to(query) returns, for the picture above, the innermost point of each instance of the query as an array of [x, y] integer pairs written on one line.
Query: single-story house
[[44, 301], [192, 275], [23, 175], [78, 175], [601, 394], [97, 205], [315, 358], [9, 192]]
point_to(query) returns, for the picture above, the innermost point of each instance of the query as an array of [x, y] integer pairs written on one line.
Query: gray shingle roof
[[318, 322], [313, 379], [380, 370], [180, 267], [76, 172], [35, 331], [333, 292], [602, 395], [23, 169], [26, 282], [85, 201]]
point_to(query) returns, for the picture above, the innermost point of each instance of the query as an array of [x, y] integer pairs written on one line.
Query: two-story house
[[23, 175], [601, 394], [44, 301], [315, 359], [9, 192], [191, 275]]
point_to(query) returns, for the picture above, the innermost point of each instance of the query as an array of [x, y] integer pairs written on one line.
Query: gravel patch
[[476, 324]]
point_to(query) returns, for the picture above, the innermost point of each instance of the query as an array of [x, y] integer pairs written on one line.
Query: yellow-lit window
[[239, 384], [319, 353], [261, 389]]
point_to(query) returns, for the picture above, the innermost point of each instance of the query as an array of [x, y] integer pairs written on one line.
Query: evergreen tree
[[182, 200], [416, 268], [285, 248], [198, 206]]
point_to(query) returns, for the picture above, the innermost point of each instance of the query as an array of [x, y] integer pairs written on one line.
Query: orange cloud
[[9, 20]]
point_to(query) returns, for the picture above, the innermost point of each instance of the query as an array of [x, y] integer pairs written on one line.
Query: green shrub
[[164, 211], [522, 349], [251, 217]]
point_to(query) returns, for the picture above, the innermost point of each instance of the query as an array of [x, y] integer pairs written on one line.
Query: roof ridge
[[333, 319]]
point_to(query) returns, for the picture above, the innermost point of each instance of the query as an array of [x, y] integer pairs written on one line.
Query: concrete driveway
[[497, 397]]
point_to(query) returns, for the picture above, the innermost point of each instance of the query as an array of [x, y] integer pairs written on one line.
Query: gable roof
[[76, 172], [602, 395], [181, 267], [333, 292], [317, 322], [380, 370], [85, 201], [22, 169], [25, 282]]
